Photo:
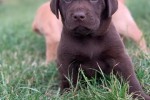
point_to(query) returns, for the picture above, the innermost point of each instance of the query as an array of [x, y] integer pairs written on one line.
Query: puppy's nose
[[80, 16]]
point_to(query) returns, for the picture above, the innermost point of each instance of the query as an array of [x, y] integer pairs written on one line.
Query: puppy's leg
[[134, 33], [125, 69], [51, 50], [129, 29], [68, 75], [52, 39]]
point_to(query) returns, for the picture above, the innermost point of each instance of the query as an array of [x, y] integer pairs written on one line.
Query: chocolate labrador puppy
[[89, 40]]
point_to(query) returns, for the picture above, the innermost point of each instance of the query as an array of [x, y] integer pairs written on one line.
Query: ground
[[24, 75]]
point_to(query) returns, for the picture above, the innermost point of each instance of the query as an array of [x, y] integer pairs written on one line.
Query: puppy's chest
[[89, 52], [91, 59], [89, 49]]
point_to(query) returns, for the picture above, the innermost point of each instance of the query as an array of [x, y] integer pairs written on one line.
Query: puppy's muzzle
[[82, 20]]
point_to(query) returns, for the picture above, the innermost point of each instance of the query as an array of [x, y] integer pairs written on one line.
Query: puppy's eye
[[68, 1], [93, 0]]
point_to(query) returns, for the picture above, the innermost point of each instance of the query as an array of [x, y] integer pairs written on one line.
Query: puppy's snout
[[79, 16]]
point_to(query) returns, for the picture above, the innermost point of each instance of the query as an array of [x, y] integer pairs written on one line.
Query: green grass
[[23, 74]]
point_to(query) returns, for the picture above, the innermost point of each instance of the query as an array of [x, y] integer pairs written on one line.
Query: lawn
[[24, 75]]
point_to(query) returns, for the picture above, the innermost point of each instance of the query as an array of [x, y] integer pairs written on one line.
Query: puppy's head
[[84, 16]]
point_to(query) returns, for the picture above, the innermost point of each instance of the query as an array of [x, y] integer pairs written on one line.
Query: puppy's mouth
[[82, 31], [85, 27]]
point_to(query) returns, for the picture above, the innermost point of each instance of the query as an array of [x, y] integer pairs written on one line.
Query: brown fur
[[90, 41], [47, 24]]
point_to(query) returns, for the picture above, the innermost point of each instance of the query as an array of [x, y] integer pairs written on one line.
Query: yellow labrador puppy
[[46, 23]]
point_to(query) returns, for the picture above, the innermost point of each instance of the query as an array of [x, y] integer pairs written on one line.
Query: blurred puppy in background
[[46, 23], [123, 1], [127, 27]]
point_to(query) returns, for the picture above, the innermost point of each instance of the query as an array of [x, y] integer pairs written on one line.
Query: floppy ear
[[111, 7], [54, 5]]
